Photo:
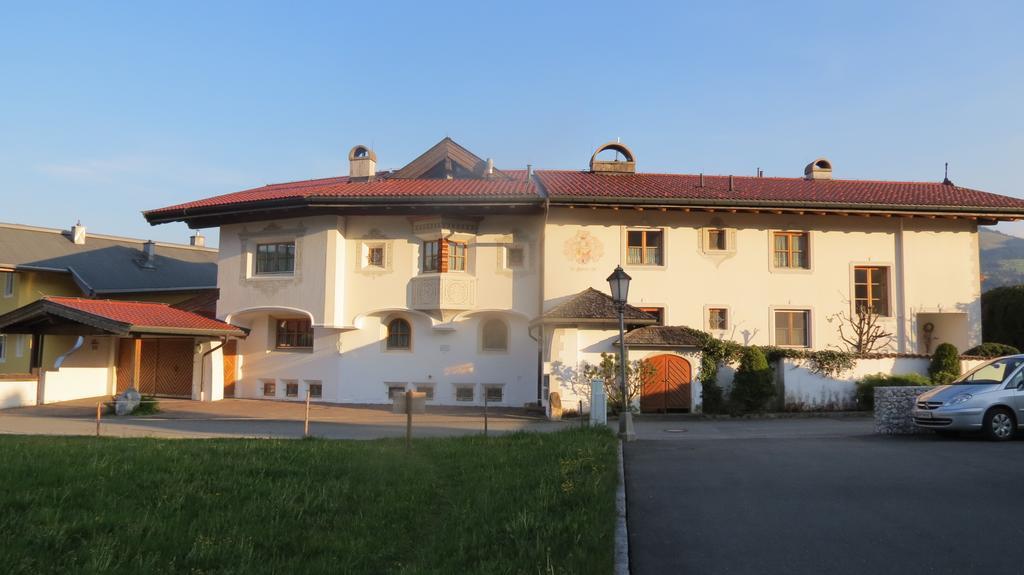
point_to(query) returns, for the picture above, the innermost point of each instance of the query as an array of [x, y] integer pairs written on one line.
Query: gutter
[[892, 209]]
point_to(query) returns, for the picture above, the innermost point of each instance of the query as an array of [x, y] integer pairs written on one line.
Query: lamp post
[[619, 284]]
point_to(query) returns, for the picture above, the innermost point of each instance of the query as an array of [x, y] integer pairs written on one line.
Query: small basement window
[[464, 393], [427, 391], [395, 389], [494, 393], [291, 389], [269, 389], [316, 390]]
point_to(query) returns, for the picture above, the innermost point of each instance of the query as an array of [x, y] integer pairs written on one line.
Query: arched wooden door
[[668, 389]]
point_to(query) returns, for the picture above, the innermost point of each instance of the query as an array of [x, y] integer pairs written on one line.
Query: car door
[[1015, 388]]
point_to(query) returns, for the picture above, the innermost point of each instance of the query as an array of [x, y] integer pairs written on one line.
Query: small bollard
[[99, 415], [305, 429], [408, 419], [485, 413]]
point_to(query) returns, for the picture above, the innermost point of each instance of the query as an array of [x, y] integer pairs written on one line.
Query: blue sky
[[109, 109]]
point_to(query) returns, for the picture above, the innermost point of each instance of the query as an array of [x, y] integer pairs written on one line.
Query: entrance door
[[230, 367], [668, 388]]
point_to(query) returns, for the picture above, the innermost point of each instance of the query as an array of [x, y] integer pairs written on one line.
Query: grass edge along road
[[520, 503]]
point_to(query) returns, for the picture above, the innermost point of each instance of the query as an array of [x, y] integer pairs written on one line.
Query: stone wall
[[892, 410]]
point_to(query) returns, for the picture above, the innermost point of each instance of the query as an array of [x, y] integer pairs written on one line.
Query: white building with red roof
[[467, 282]]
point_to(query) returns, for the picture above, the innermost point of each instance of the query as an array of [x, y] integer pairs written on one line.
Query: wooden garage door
[[668, 389], [165, 367], [230, 367]]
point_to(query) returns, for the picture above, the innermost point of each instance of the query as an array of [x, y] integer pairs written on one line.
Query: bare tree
[[861, 331]]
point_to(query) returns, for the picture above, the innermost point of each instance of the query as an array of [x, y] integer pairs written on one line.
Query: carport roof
[[78, 316]]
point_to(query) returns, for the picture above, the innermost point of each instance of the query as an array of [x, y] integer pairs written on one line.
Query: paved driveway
[[755, 497], [258, 418]]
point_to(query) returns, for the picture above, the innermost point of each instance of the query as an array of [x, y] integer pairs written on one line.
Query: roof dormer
[[627, 165]]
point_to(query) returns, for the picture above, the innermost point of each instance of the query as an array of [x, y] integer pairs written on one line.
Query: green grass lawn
[[522, 503]]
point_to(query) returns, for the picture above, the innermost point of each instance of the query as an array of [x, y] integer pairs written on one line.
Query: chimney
[[732, 188], [198, 240], [362, 163], [78, 234], [820, 169], [529, 172], [148, 254], [490, 167]]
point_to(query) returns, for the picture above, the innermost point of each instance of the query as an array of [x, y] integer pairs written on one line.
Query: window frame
[[506, 332], [3, 347], [488, 387], [256, 267], [388, 335], [390, 386], [270, 385], [808, 335], [371, 263], [453, 247], [644, 232], [430, 263], [789, 251], [299, 336], [657, 311], [319, 385], [464, 386], [291, 388], [713, 308], [711, 246], [8, 284], [886, 287], [423, 387]]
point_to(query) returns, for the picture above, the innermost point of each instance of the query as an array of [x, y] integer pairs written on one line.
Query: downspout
[[541, 400], [77, 346], [901, 278], [202, 364]]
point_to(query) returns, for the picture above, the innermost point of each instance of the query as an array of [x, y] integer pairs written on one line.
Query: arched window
[[495, 335], [399, 334]]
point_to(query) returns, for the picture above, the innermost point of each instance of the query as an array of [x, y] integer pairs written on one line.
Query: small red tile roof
[[144, 316], [511, 185], [748, 190]]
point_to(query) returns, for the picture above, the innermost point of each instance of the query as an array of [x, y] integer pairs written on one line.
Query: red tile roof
[[145, 315], [512, 186], [746, 190]]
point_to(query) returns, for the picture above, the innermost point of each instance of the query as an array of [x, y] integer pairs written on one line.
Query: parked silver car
[[989, 398]]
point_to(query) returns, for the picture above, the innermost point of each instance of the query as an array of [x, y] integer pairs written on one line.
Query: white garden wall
[[805, 390], [17, 391], [86, 372]]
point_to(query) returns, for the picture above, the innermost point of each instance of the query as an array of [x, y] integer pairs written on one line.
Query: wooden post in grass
[[580, 412], [408, 419], [485, 412], [99, 412], [305, 429]]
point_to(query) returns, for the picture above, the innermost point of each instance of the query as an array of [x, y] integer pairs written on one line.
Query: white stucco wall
[[87, 372], [937, 259], [350, 304], [805, 390], [17, 392]]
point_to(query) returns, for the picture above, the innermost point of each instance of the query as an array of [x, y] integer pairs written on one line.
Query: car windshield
[[991, 373]]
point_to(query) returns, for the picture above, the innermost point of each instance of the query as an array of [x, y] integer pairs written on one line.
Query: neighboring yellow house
[[38, 262]]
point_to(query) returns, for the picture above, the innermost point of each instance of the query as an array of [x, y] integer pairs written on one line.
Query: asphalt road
[[856, 504]]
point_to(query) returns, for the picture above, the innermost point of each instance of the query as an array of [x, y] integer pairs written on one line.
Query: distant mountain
[[1002, 259]]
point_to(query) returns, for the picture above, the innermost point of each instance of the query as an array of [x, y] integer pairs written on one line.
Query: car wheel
[[999, 424]]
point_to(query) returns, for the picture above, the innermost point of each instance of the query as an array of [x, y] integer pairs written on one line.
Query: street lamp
[[619, 284]]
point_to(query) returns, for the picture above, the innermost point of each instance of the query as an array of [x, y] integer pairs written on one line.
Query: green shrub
[[148, 406], [992, 349], [866, 386], [945, 366], [1002, 315], [752, 387]]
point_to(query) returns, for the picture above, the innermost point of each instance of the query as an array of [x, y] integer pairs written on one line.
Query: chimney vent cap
[[626, 166], [820, 169]]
